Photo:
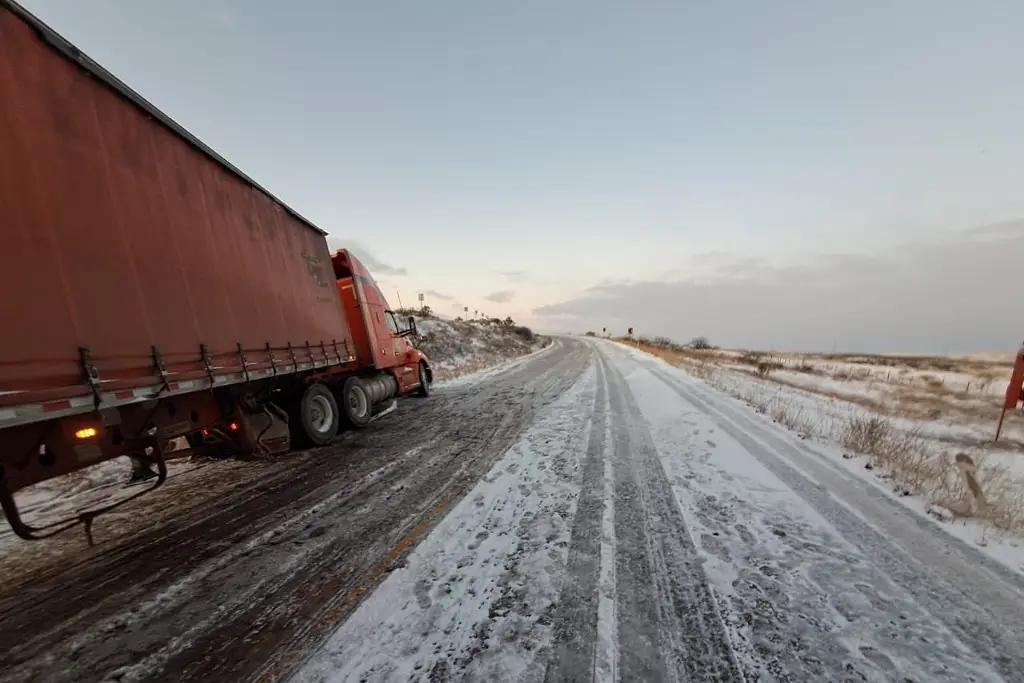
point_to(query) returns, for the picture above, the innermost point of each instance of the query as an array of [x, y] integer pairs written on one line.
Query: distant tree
[[426, 311], [700, 343], [591, 334], [509, 322]]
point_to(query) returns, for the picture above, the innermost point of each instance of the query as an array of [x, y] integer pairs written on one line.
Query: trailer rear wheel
[[314, 420], [355, 402]]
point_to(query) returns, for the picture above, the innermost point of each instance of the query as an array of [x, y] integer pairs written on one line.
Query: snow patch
[[607, 656]]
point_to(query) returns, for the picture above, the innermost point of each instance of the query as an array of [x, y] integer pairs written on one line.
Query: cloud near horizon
[[502, 297], [514, 275], [955, 296], [434, 294]]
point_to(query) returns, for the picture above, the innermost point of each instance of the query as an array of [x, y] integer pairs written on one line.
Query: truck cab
[[381, 336]]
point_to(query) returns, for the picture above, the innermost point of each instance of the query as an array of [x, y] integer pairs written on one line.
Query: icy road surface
[[646, 528], [587, 513]]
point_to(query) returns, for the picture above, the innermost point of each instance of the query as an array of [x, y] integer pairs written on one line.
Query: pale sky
[[785, 174]]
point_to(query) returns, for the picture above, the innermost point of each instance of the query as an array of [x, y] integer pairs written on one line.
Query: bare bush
[[706, 370], [806, 368], [700, 344], [524, 332], [663, 343], [767, 367], [751, 357], [877, 437]]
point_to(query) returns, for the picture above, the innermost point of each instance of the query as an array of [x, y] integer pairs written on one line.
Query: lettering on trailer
[[314, 268]]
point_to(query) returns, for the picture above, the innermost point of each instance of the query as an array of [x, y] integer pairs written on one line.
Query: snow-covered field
[[956, 395], [927, 409]]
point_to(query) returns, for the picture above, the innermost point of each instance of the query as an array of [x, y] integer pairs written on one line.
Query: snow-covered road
[[647, 528]]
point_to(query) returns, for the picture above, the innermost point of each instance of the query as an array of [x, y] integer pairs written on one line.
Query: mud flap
[[386, 410]]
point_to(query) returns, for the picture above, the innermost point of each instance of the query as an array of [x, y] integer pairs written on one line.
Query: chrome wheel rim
[[321, 415], [357, 402]]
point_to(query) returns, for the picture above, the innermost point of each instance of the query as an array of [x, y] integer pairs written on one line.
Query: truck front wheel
[[315, 419], [355, 402], [424, 388]]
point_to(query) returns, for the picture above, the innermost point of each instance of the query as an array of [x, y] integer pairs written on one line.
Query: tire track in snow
[[478, 597], [574, 648], [668, 620], [976, 609], [607, 655]]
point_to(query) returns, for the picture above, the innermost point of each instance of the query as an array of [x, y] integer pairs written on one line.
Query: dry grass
[[912, 461], [909, 388]]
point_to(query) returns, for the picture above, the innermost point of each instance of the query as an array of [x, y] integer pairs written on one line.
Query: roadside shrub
[[806, 368], [700, 344], [877, 437], [526, 333], [751, 357], [663, 343]]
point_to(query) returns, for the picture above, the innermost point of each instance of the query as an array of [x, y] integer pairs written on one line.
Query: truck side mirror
[[412, 326]]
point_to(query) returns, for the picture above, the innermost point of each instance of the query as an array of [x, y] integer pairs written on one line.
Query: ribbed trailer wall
[[121, 234]]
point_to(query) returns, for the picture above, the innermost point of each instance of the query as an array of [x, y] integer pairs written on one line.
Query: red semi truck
[[154, 291]]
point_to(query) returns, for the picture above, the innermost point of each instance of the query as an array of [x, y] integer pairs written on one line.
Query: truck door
[[384, 349], [402, 353]]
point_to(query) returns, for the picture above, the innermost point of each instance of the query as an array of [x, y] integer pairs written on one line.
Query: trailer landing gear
[[86, 518]]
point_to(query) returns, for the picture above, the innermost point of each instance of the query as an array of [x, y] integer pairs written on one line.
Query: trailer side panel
[[118, 235]]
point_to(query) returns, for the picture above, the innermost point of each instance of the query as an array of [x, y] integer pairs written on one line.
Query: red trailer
[[155, 291]]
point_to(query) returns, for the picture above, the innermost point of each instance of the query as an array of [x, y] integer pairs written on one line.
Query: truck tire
[[355, 403], [315, 418], [424, 388]]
